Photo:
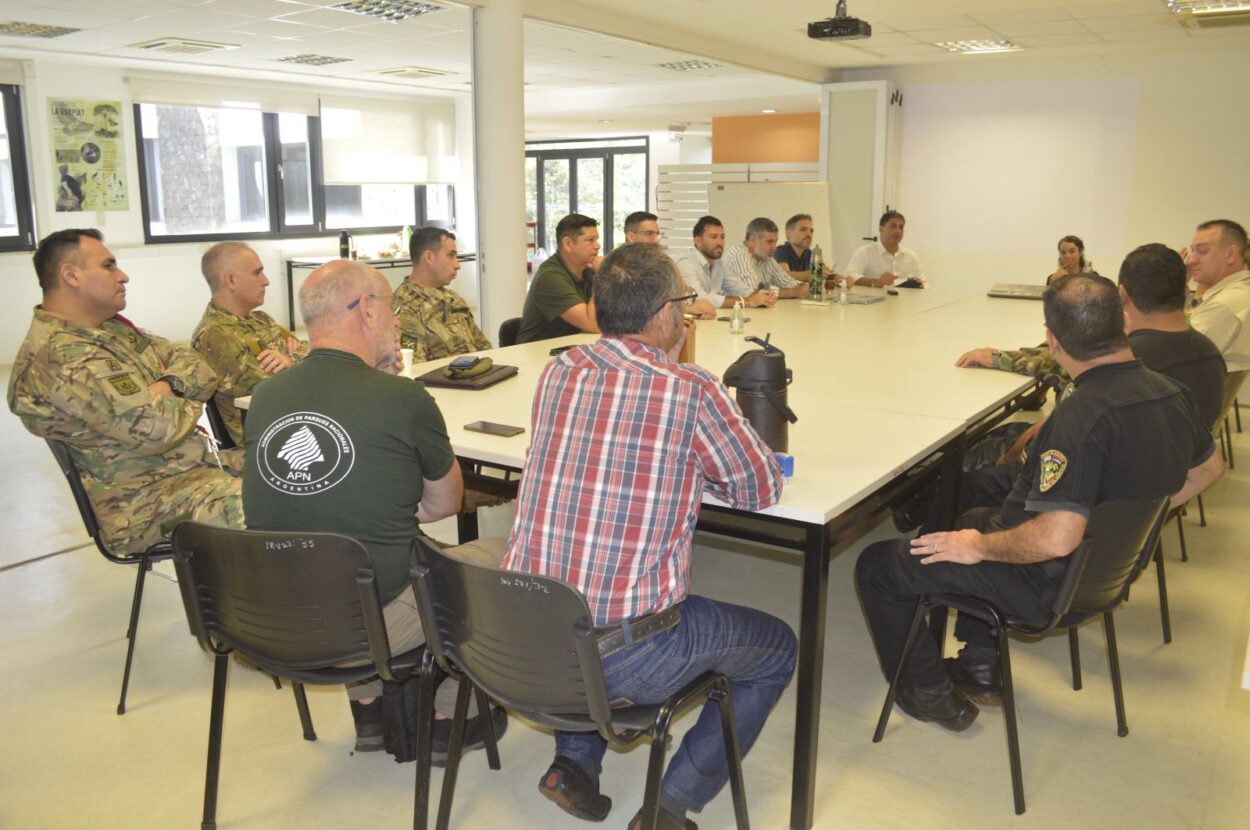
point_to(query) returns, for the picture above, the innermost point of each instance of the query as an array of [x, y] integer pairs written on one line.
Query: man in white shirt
[[702, 268], [887, 262], [1216, 262], [750, 266]]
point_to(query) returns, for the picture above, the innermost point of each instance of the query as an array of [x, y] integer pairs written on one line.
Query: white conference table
[[885, 371]]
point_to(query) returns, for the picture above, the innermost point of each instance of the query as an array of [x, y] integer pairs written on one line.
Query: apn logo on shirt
[[304, 453]]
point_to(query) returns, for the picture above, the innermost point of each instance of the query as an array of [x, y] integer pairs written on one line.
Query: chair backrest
[[1119, 537], [218, 425], [525, 640], [508, 331], [289, 602], [69, 469], [1232, 385]]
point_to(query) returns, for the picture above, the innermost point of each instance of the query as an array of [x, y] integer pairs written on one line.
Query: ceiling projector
[[839, 27]]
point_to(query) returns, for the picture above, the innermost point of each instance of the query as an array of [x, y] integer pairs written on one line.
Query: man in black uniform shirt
[[1124, 432], [1152, 290]]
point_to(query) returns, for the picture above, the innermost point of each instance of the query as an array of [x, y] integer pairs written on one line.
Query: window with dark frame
[[16, 214], [606, 179], [210, 174]]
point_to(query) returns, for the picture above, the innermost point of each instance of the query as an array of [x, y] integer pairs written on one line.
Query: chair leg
[[487, 725], [1232, 464], [1180, 533], [655, 768], [916, 619], [1009, 718], [1165, 617], [1113, 658], [305, 717], [1074, 652], [132, 630], [1237, 413], [1202, 513], [425, 726], [733, 753], [221, 666], [453, 757], [277, 682]]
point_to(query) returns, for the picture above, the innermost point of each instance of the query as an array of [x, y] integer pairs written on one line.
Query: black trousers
[[890, 580]]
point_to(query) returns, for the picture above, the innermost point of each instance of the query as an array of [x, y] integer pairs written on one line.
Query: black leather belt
[[613, 638]]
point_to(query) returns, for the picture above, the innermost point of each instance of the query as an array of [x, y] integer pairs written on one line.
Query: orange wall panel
[[745, 139]]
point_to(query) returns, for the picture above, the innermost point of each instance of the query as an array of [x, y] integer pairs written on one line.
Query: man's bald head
[[331, 288]]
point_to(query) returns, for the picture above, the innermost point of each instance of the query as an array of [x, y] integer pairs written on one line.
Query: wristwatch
[[175, 385]]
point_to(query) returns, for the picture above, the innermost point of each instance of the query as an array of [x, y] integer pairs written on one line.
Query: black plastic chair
[[1232, 385], [303, 606], [143, 560], [218, 425], [528, 641], [1119, 542], [508, 331]]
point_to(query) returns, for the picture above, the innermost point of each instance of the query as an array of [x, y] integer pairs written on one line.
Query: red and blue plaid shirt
[[625, 443]]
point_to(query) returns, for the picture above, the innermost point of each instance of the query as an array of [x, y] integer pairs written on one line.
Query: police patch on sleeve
[[1054, 464], [124, 384]]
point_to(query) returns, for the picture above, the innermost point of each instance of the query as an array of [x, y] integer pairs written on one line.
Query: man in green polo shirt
[[341, 443], [561, 300]]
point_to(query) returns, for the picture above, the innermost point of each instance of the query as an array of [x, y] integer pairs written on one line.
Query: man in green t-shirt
[[561, 300], [341, 443]]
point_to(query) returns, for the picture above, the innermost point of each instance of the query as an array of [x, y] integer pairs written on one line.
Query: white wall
[[166, 294], [1002, 157]]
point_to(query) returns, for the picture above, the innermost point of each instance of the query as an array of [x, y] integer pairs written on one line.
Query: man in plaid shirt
[[625, 443]]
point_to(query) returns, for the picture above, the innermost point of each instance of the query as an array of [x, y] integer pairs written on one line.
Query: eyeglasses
[[354, 303], [686, 299]]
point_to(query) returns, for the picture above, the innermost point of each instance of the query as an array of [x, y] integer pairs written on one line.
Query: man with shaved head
[[342, 443], [243, 344]]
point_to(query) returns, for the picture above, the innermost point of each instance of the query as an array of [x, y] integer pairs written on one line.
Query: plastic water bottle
[[842, 290], [736, 321]]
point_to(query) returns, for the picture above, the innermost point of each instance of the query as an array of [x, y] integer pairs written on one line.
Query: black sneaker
[[368, 718], [664, 821], [977, 681], [574, 791], [943, 705], [911, 514], [473, 739]]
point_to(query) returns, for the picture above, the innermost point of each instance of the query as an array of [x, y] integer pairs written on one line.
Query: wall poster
[[87, 154]]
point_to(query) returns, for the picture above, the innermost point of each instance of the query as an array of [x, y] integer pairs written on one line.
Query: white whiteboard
[[737, 204]]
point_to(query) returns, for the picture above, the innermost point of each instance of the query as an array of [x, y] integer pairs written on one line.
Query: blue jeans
[[753, 649]]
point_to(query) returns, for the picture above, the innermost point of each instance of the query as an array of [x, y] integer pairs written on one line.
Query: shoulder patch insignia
[[1053, 466], [124, 384], [113, 365]]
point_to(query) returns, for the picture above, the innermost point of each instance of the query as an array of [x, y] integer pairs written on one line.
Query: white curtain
[[373, 141]]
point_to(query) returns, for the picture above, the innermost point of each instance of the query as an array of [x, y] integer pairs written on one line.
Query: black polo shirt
[[1124, 432], [787, 256]]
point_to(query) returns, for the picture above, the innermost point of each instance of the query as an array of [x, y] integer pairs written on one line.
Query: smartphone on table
[[502, 430]]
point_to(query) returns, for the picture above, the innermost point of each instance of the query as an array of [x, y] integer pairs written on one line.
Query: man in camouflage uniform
[[435, 321], [1035, 361], [123, 400], [242, 344]]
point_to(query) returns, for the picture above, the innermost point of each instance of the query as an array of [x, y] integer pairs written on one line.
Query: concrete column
[[499, 160]]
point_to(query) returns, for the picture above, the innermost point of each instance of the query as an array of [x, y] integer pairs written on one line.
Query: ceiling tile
[[1054, 27], [1115, 9], [1133, 23], [911, 49], [1041, 41], [1179, 33], [969, 33], [996, 18], [330, 18], [910, 24], [273, 28], [261, 9]]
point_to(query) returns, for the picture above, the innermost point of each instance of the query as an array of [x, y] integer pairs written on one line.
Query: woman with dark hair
[[1071, 259]]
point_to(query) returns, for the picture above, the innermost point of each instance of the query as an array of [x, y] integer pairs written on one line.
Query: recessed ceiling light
[[312, 60], [688, 66], [768, 112], [977, 47], [605, 120], [1208, 6], [20, 29], [392, 11]]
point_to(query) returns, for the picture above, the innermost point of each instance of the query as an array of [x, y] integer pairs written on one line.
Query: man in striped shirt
[[625, 444]]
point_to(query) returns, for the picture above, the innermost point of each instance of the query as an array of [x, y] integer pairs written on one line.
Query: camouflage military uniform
[[1033, 361], [142, 461], [436, 322], [230, 344]]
